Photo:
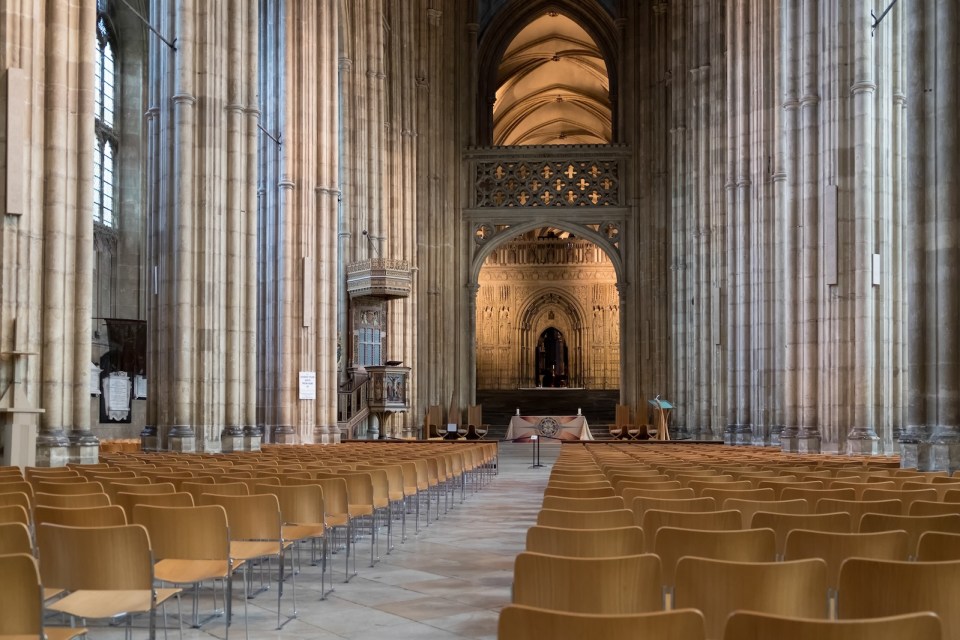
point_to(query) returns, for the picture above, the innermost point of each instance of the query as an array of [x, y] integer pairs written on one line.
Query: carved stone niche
[[379, 278]]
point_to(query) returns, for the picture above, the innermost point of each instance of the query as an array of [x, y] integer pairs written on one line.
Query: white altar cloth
[[561, 427]]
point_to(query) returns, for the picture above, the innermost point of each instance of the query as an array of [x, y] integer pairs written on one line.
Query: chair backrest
[[860, 487], [585, 543], [814, 495], [625, 584], [857, 508], [642, 504], [784, 523], [935, 546], [583, 504], [129, 500], [224, 489], [630, 492], [874, 588], [913, 525], [105, 516], [933, 508], [16, 498], [746, 625], [69, 488], [905, 496], [623, 416], [335, 498], [255, 517], [111, 558], [834, 548], [718, 588], [646, 484], [749, 507], [779, 485], [721, 494], [17, 513], [597, 492], [15, 538], [301, 504], [18, 486], [612, 519], [601, 483], [653, 519], [518, 622], [21, 595], [186, 533], [79, 500], [744, 545], [701, 485]]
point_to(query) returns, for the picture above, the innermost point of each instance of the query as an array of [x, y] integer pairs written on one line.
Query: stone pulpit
[[387, 394]]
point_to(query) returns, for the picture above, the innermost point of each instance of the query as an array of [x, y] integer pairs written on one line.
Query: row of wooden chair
[[705, 561]]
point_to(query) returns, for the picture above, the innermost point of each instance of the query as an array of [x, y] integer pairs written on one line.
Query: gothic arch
[[511, 19], [605, 242], [535, 317]]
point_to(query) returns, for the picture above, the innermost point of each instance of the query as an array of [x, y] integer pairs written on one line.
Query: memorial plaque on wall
[[115, 398]]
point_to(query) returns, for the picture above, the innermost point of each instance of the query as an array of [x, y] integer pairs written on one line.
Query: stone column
[[787, 186], [862, 438], [931, 438]]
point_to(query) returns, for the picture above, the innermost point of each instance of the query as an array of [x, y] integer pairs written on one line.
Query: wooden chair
[[15, 538], [337, 516], [812, 496], [589, 484], [744, 545], [191, 545], [860, 487], [857, 508], [17, 498], [78, 500], [583, 504], [740, 486], [722, 494], [197, 489], [622, 422], [913, 525], [585, 543], [933, 508], [629, 493], [255, 535], [906, 496], [746, 625], [112, 577], [518, 622], [302, 512], [646, 484], [615, 585], [642, 504], [106, 516], [17, 513], [69, 488], [779, 485], [598, 492], [718, 588], [749, 507], [22, 598], [936, 546], [654, 519], [130, 500], [875, 588], [784, 523], [18, 486], [612, 519], [834, 548]]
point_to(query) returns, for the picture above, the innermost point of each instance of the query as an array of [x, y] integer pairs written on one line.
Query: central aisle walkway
[[449, 582]]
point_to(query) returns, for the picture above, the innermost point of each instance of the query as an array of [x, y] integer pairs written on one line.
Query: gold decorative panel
[[548, 183]]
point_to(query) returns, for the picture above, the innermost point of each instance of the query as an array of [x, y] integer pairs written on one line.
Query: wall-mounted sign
[[308, 385]]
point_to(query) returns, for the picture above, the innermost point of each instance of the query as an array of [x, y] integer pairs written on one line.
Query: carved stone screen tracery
[[548, 183]]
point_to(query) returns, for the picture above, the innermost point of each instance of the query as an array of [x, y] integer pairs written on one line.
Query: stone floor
[[449, 582]]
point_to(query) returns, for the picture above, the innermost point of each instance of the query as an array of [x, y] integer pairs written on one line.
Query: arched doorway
[[552, 360]]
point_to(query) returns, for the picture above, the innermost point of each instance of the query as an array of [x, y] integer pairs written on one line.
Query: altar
[[559, 427]]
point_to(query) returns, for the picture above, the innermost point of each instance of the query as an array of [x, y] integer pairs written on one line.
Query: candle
[[518, 410]]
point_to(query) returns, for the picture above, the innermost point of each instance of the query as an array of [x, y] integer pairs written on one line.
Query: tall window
[[104, 183]]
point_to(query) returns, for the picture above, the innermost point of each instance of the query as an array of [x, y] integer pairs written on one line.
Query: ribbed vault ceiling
[[553, 87]]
